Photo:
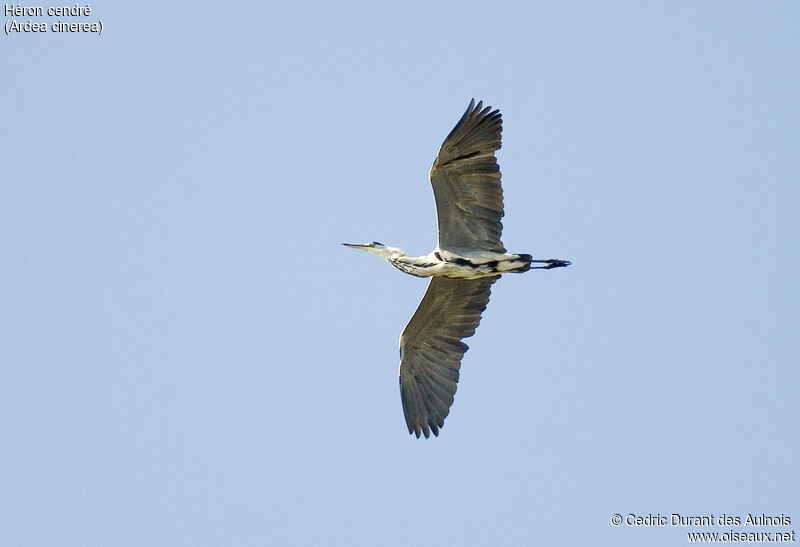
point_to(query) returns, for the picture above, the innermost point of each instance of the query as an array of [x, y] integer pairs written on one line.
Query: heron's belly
[[464, 268], [470, 271]]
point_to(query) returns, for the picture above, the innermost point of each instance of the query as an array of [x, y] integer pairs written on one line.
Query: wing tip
[[423, 428], [479, 110], [419, 423]]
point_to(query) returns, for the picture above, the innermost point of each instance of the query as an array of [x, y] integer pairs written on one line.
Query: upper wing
[[466, 183], [431, 348]]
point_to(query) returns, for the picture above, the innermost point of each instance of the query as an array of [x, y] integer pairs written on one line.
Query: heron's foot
[[552, 263]]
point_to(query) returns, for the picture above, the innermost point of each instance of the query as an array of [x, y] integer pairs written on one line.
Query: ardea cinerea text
[[467, 260]]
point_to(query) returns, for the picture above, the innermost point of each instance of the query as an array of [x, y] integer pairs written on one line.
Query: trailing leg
[[550, 263]]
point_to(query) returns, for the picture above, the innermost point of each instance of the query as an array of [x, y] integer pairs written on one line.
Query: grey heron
[[467, 260]]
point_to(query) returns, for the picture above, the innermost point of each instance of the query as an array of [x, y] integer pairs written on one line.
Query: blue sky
[[191, 358]]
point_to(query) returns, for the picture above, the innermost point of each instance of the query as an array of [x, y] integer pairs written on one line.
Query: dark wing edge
[[466, 182], [431, 349]]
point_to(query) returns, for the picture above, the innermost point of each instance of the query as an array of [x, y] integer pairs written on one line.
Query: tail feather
[[525, 265]]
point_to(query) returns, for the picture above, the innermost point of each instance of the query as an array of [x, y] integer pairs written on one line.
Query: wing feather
[[431, 349], [466, 183]]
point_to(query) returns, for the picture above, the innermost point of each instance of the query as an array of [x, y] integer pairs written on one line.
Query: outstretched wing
[[466, 183], [431, 348]]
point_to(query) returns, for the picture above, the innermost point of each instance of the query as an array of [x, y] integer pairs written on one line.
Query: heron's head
[[376, 248]]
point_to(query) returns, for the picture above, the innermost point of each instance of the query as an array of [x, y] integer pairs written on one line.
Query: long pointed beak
[[354, 245]]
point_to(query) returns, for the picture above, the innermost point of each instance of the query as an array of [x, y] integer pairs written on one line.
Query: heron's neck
[[389, 253], [421, 266]]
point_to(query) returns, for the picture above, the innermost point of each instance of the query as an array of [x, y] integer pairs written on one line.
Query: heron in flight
[[468, 259]]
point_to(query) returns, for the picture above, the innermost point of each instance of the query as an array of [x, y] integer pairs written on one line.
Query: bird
[[468, 259]]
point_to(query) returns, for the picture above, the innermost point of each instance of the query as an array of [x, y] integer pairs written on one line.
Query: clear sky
[[190, 357]]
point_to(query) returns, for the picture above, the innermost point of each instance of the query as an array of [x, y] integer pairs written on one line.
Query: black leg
[[550, 263]]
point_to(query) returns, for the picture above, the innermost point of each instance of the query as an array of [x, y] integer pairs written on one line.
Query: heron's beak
[[354, 245]]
